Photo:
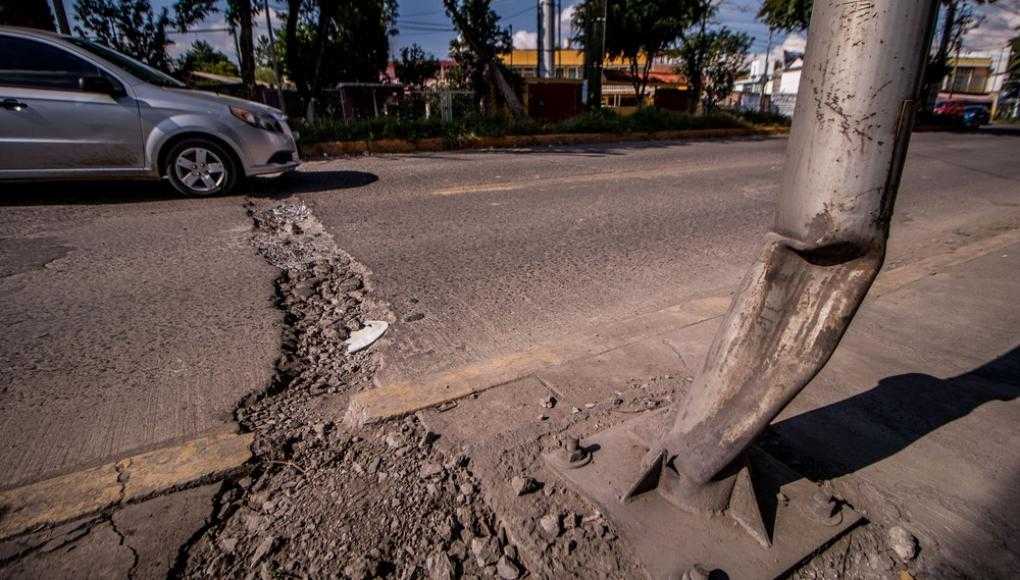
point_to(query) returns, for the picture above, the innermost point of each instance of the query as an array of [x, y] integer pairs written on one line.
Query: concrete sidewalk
[[913, 421]]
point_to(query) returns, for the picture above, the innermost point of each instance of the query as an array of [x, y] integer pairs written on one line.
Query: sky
[[424, 22]]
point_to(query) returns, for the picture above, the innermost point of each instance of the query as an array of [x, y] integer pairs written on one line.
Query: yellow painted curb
[[70, 496]]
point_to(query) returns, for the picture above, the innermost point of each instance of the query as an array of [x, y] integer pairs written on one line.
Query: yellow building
[[569, 63], [617, 88]]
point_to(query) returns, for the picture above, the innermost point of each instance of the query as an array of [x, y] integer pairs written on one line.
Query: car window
[[29, 63], [140, 70]]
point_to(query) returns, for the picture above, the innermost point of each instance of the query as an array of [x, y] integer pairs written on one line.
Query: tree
[[786, 14], [128, 26], [27, 13], [727, 58], [201, 56], [329, 41], [415, 67], [480, 39], [638, 30], [239, 15]]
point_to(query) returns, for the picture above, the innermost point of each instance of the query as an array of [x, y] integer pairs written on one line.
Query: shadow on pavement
[[847, 436], [85, 192], [138, 191], [310, 182]]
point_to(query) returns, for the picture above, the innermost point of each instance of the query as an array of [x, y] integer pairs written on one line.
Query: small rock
[[467, 489], [507, 569], [430, 470], [575, 410], [522, 485], [589, 405], [549, 402], [228, 545], [903, 543], [263, 548], [550, 524], [440, 567], [484, 550], [395, 440]]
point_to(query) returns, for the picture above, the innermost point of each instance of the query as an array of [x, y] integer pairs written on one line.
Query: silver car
[[71, 108]]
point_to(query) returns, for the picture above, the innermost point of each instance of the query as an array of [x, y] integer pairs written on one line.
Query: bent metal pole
[[861, 79]]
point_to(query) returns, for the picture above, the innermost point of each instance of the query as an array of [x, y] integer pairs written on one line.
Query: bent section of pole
[[861, 80]]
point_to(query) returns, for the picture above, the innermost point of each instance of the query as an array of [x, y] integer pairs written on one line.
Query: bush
[[476, 125], [759, 118]]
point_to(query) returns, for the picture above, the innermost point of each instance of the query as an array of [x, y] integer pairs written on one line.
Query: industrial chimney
[[546, 38]]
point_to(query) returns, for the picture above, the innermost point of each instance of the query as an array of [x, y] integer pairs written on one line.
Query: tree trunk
[[294, 65], [516, 109], [276, 60], [247, 46], [63, 26], [325, 10]]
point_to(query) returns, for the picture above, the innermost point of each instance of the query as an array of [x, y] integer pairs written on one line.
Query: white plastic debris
[[362, 339]]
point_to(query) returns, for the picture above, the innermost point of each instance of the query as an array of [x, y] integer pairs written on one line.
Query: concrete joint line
[[68, 497]]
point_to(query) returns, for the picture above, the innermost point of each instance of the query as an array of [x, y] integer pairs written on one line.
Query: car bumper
[[266, 152]]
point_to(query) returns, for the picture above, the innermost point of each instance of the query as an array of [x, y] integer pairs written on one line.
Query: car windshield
[[142, 71]]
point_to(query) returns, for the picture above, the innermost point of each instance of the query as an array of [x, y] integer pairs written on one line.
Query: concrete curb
[[73, 495], [313, 151]]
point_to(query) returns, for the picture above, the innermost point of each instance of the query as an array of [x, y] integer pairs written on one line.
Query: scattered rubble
[[323, 499], [903, 543]]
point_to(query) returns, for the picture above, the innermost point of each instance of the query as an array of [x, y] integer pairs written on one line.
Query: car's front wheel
[[199, 167]]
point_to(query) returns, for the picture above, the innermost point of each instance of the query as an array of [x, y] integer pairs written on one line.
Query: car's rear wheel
[[200, 167]]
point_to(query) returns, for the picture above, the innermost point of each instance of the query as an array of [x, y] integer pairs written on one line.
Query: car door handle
[[13, 105]]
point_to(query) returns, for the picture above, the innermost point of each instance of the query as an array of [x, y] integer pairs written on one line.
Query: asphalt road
[[131, 318], [503, 250], [134, 318]]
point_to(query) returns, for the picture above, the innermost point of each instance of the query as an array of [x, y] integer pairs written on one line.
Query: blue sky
[[424, 22]]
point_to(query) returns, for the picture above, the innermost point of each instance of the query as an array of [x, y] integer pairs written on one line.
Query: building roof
[[970, 61], [528, 57]]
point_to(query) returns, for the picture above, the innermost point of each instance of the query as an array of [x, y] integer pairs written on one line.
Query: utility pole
[[762, 102], [546, 38], [835, 205]]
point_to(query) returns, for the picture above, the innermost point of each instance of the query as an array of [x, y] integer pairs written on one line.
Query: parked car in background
[[976, 115], [71, 108], [949, 109]]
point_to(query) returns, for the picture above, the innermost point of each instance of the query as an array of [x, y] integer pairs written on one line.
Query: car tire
[[201, 167]]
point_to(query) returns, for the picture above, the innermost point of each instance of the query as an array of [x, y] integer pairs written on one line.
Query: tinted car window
[[29, 63]]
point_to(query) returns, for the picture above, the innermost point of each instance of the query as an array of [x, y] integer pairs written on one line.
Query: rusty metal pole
[[861, 81]]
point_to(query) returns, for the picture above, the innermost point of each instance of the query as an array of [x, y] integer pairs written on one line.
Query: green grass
[[604, 121]]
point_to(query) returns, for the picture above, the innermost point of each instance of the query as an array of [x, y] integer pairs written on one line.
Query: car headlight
[[258, 120]]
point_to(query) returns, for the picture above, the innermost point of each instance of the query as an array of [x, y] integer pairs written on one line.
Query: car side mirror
[[99, 84]]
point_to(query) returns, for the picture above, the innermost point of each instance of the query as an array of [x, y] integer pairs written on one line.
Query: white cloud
[[525, 39], [1000, 24]]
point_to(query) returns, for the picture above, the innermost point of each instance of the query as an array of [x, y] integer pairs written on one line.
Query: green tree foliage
[[786, 15], [239, 15], [128, 26], [711, 59], [27, 13], [330, 41], [480, 39], [415, 67], [203, 57], [727, 59], [637, 30]]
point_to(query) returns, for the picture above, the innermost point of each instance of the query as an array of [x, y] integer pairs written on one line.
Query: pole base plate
[[668, 540]]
